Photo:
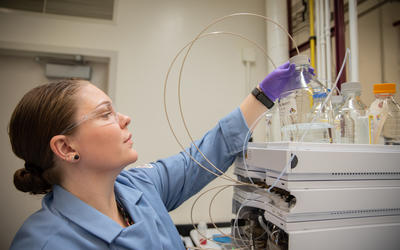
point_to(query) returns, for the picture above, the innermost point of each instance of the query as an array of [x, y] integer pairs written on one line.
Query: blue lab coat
[[147, 193]]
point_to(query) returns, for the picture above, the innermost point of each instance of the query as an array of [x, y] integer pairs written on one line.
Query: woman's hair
[[42, 113]]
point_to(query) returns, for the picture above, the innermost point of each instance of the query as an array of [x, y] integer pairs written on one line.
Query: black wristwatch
[[260, 96]]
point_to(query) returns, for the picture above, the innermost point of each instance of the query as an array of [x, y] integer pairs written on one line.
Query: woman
[[75, 146]]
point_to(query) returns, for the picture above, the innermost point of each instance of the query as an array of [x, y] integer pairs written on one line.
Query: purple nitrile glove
[[274, 84]]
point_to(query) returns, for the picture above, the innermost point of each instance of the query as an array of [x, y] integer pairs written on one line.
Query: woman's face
[[103, 140]]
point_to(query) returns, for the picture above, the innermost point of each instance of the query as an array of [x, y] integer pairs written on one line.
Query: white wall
[[146, 35]]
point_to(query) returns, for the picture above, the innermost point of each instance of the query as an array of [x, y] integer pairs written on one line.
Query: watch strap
[[261, 97]]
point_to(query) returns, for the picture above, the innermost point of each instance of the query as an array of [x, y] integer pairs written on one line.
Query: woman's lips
[[129, 137]]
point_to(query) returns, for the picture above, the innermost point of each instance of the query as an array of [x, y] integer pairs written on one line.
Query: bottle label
[[377, 114], [287, 107]]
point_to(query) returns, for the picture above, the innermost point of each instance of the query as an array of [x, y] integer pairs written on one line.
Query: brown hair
[[42, 113]]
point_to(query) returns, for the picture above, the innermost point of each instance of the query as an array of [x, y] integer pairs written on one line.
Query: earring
[[76, 157]]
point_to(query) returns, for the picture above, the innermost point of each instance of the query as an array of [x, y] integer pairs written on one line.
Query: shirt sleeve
[[178, 177]]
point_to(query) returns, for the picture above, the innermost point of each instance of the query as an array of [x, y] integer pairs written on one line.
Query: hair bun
[[33, 183]]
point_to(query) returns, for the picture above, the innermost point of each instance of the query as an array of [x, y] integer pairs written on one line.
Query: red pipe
[[290, 25], [340, 39]]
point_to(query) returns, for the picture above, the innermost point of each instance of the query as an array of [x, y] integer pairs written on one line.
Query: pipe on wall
[[322, 71], [317, 31], [290, 24], [339, 39], [312, 32], [353, 32], [277, 48], [328, 44], [277, 40]]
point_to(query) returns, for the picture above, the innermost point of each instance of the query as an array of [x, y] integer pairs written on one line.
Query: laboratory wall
[[142, 40], [144, 37], [379, 48], [378, 43]]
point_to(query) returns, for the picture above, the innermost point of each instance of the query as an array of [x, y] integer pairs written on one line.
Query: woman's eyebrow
[[103, 103]]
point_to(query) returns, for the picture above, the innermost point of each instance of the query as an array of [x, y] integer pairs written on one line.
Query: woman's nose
[[124, 120]]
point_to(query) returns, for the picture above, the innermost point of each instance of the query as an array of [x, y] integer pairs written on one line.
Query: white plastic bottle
[[337, 103], [384, 114], [273, 129], [322, 126], [351, 92], [344, 126]]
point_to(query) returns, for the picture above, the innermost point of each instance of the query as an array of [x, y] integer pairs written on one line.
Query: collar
[[84, 215], [128, 195]]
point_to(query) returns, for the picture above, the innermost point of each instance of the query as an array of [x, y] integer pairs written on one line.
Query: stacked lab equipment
[[317, 195], [331, 196]]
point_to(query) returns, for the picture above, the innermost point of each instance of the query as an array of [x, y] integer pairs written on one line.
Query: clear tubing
[[165, 102], [236, 219], [179, 83], [180, 76], [246, 139], [209, 212], [235, 224], [195, 202], [210, 216], [223, 187], [187, 53], [318, 114]]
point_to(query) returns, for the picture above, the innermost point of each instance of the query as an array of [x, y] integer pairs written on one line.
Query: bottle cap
[[351, 87], [336, 99], [300, 60], [320, 95], [384, 88]]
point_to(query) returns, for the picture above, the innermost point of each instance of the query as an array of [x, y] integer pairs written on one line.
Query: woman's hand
[[274, 84]]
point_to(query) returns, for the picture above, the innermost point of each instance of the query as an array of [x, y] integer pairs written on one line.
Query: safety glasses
[[104, 114]]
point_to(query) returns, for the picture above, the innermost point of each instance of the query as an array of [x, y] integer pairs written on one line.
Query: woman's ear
[[62, 148]]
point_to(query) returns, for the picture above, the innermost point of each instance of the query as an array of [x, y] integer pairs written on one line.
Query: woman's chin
[[134, 157]]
